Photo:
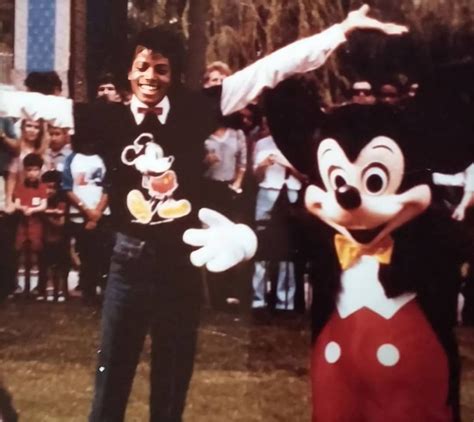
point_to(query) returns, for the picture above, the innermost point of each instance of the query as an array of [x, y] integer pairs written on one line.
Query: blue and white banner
[[42, 37]]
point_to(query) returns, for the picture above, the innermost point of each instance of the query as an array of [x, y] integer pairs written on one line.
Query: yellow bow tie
[[349, 252]]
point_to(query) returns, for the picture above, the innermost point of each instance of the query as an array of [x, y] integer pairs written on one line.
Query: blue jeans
[[285, 285], [146, 294]]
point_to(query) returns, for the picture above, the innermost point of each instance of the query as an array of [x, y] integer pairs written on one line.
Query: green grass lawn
[[246, 370]]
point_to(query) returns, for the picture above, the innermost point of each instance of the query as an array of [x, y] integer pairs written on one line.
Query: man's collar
[[65, 150], [135, 103]]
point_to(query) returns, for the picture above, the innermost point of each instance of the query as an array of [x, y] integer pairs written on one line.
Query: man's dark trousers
[[146, 293]]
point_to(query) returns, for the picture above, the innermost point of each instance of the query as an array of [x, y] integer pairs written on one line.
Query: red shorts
[[368, 368], [30, 231]]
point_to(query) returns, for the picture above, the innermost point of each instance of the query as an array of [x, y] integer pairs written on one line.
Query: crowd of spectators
[[54, 213]]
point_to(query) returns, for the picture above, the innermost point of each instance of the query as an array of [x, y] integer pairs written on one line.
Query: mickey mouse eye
[[375, 179], [337, 177]]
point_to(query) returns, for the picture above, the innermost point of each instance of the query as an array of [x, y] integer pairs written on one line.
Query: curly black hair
[[169, 41]]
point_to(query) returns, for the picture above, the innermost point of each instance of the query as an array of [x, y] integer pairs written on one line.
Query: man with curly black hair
[[153, 151]]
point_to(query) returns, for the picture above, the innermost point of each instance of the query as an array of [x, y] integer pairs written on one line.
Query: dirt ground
[[247, 369]]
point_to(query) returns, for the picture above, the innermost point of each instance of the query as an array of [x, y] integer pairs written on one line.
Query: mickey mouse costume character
[[384, 309], [385, 272]]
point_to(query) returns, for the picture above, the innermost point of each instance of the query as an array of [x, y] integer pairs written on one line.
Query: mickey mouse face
[[360, 199], [146, 156], [378, 169]]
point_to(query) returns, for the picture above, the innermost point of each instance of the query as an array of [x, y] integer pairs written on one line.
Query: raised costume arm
[[32, 105]]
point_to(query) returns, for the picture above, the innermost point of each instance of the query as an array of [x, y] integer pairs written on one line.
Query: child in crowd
[[55, 156], [58, 150], [32, 140], [83, 182], [30, 200], [55, 253]]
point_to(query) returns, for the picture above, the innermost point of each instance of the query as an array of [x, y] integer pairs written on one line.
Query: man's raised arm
[[299, 57]]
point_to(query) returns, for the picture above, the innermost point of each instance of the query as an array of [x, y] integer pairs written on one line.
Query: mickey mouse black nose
[[348, 197]]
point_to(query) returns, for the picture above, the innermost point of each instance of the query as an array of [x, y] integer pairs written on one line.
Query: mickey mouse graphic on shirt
[[159, 181]]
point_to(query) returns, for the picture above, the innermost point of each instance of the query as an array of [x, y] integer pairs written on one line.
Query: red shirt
[[30, 196]]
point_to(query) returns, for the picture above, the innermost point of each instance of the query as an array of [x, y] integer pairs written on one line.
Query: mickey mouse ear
[[293, 111], [354, 125], [144, 139]]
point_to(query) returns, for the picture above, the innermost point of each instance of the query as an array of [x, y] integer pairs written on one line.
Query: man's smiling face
[[150, 76]]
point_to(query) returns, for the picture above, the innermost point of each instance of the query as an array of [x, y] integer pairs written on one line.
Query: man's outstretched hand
[[358, 19]]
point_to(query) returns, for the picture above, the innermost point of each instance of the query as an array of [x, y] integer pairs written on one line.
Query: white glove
[[224, 243], [448, 179], [469, 178]]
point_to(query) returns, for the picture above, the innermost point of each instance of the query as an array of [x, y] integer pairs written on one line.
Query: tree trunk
[[197, 42], [78, 50]]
